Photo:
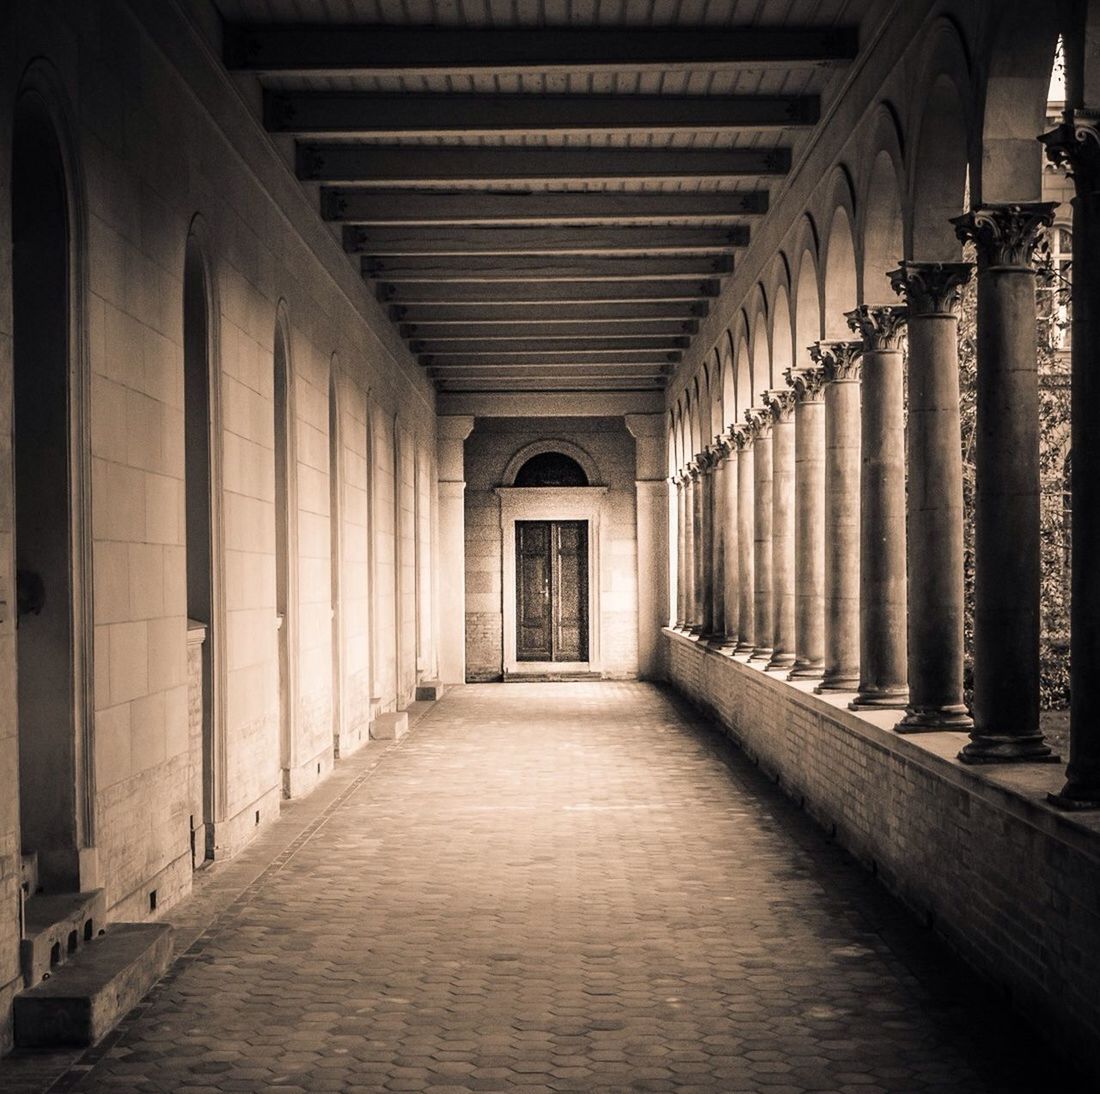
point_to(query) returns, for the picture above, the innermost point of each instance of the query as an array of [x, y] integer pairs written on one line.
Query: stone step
[[28, 874], [548, 677], [84, 998], [390, 727], [55, 927], [429, 690]]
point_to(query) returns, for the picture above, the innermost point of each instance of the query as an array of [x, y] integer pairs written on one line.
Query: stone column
[[1076, 145], [681, 544], [841, 367], [718, 540], [1006, 540], [809, 522], [760, 424], [451, 434], [883, 657], [651, 525], [706, 553], [693, 515], [780, 403], [746, 548], [935, 497], [731, 555]]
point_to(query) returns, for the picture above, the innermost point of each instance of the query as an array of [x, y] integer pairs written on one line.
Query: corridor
[[567, 887]]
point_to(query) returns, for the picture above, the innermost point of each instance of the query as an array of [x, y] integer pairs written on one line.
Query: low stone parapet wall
[[1010, 882]]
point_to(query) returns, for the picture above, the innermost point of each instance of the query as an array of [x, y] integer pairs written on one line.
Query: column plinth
[[883, 670], [1007, 545], [780, 404], [731, 555], [841, 370], [746, 550], [1075, 145], [809, 522], [760, 423], [935, 497]]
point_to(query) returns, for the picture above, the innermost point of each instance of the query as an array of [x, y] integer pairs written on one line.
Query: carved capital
[[758, 421], [1075, 147], [1005, 234], [931, 288], [808, 382], [721, 447], [780, 403], [740, 437], [881, 326], [839, 360]]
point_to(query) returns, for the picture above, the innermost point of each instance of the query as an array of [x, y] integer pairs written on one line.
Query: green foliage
[[1054, 410]]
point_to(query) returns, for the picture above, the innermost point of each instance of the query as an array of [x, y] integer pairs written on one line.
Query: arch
[[840, 273], [1019, 40], [782, 338], [807, 304], [566, 448], [942, 129], [744, 376], [286, 583], [51, 464], [761, 358], [882, 235], [551, 469], [729, 381], [716, 410]]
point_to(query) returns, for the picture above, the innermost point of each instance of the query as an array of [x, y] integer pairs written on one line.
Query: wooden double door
[[551, 590]]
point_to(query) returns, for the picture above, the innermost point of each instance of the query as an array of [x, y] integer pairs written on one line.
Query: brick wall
[[1011, 883]]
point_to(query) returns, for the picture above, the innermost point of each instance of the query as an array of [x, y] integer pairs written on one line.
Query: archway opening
[[45, 547], [551, 469]]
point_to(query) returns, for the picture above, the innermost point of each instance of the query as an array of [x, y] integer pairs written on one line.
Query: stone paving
[[561, 887]]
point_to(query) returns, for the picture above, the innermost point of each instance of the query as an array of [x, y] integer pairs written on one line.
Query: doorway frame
[[553, 503]]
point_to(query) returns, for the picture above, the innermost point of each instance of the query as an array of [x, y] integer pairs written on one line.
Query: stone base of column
[[986, 748], [761, 653], [806, 670], [744, 646], [780, 661], [934, 719], [837, 682], [880, 699], [1076, 797]]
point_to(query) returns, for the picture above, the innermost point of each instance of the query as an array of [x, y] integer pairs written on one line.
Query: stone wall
[[493, 443], [1011, 883]]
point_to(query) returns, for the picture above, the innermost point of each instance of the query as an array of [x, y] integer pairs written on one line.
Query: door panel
[[570, 594], [534, 629], [551, 590]]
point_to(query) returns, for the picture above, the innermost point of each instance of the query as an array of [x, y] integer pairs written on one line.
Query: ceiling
[[545, 195]]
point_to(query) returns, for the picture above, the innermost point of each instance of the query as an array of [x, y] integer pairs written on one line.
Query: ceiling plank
[[402, 115], [620, 313], [469, 240], [552, 358], [404, 207], [541, 345], [549, 268], [542, 292], [477, 332], [478, 165], [378, 49], [567, 386]]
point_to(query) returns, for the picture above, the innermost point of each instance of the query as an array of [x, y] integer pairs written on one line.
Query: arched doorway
[[50, 554]]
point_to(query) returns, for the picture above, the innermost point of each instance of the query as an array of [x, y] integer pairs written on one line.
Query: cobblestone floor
[[566, 887]]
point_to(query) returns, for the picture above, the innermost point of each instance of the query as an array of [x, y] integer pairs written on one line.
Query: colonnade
[[823, 535]]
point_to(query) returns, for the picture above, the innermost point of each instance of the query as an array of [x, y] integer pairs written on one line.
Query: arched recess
[[744, 376], [882, 231], [941, 128], [204, 544], [782, 356], [761, 359], [716, 409], [1018, 44], [807, 306], [840, 271], [552, 444], [51, 464], [729, 382], [694, 434], [336, 549], [286, 539]]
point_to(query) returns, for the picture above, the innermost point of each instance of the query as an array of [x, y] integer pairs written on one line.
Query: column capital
[[931, 288], [758, 422], [880, 325], [721, 447], [1075, 147], [807, 382], [840, 360], [780, 404], [1005, 233], [740, 437]]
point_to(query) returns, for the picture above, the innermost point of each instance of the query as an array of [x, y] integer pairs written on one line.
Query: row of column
[[824, 535]]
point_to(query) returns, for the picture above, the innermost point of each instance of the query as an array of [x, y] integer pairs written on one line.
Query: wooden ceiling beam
[[551, 315], [402, 115], [312, 49], [481, 165], [549, 386], [549, 268], [514, 207], [548, 332], [539, 345], [597, 239], [553, 358], [543, 292]]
